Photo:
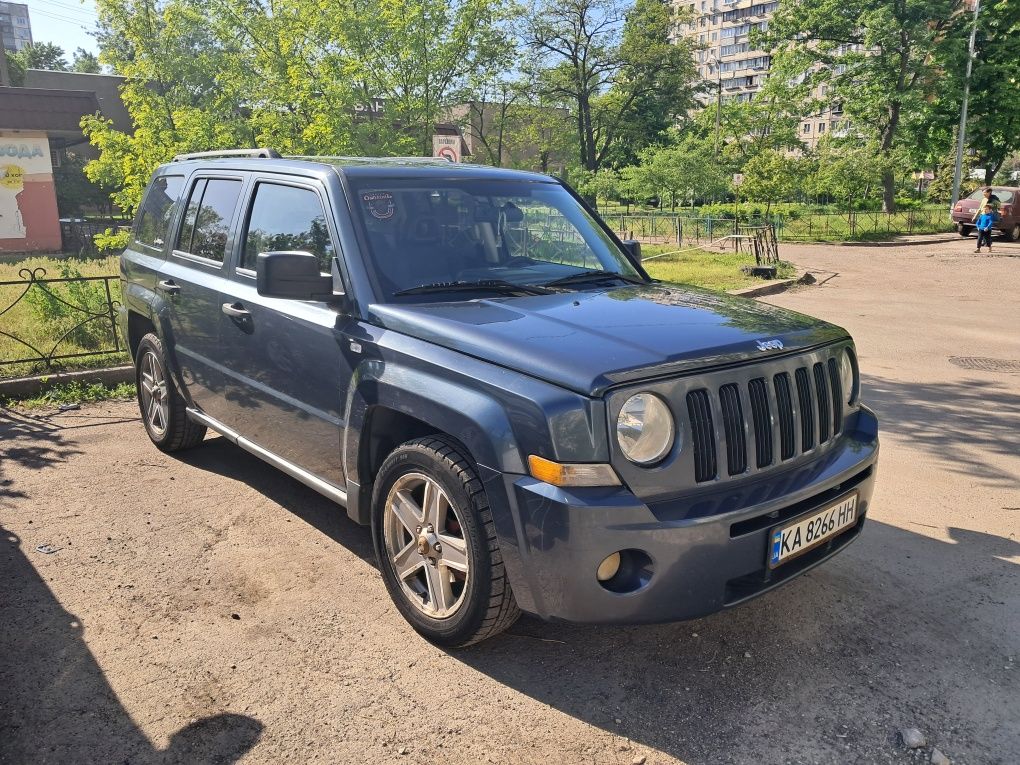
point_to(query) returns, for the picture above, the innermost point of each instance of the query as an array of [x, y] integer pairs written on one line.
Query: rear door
[[286, 373], [190, 281]]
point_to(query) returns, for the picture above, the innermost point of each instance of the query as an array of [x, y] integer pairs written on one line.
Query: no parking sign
[[446, 147]]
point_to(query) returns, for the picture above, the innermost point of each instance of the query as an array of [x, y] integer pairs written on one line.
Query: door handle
[[236, 311], [169, 286]]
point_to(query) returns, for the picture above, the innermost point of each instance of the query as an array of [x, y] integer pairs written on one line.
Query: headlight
[[645, 429], [848, 377]]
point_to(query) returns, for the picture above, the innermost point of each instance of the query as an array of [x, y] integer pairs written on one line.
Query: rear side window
[[286, 218], [206, 226], [157, 209]]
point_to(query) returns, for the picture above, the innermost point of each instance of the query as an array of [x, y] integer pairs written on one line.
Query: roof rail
[[254, 153], [373, 160]]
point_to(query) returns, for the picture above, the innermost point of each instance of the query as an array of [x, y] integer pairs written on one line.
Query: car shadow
[[218, 455], [824, 663], [957, 422], [47, 673]]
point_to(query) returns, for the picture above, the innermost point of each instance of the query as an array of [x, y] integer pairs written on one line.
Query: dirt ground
[[208, 609]]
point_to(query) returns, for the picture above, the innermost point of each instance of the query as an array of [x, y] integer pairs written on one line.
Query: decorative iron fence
[[52, 320], [677, 228]]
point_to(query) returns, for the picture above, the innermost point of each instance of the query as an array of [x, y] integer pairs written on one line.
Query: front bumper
[[707, 551]]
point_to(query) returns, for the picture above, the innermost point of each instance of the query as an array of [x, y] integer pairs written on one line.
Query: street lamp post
[[961, 134], [718, 101]]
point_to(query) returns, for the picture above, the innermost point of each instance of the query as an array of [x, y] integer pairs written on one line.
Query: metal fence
[[52, 320], [681, 229]]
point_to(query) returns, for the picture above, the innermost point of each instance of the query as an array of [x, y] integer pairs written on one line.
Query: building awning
[[47, 110]]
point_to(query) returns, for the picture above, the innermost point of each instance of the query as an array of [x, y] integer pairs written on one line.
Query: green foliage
[[676, 173], [112, 240], [84, 61], [773, 176], [76, 312], [875, 56], [847, 170], [74, 393], [624, 79], [40, 55]]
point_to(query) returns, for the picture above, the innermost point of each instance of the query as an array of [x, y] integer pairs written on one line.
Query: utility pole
[[961, 134], [718, 103], [5, 73]]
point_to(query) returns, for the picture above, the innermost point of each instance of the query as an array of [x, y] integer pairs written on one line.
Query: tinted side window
[[157, 210], [207, 219], [286, 218]]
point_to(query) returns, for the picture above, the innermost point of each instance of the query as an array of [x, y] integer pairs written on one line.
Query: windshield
[[423, 232]]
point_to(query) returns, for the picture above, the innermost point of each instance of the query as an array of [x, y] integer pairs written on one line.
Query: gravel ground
[[208, 609]]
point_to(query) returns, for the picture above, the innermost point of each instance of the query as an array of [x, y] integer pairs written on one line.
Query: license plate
[[812, 530]]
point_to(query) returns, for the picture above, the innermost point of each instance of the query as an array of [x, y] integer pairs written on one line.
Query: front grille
[[703, 435], [783, 422]]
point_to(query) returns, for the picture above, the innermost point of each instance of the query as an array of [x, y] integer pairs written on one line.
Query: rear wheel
[[964, 230], [436, 544], [1013, 234], [162, 407]]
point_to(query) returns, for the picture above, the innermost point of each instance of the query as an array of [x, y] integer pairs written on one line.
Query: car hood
[[588, 341]]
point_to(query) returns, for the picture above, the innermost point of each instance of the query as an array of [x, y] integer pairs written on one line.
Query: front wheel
[[964, 230], [436, 544], [163, 409]]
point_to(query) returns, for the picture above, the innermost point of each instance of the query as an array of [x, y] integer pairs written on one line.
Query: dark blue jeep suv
[[471, 362]]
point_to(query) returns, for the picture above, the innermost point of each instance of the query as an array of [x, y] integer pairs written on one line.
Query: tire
[[964, 230], [1013, 234], [454, 590], [162, 407]]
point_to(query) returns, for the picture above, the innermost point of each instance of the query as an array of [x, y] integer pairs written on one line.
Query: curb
[[769, 288], [21, 387]]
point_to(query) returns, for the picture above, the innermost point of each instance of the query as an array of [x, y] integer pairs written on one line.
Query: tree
[[86, 62], [876, 56], [771, 176], [40, 56], [847, 171], [616, 67], [678, 172]]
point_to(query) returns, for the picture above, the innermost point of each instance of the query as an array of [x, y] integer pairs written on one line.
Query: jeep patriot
[[470, 362]]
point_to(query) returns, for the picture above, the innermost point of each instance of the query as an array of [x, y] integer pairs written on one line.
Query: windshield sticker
[[379, 204]]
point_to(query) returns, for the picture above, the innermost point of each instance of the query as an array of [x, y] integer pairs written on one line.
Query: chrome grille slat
[[733, 423]]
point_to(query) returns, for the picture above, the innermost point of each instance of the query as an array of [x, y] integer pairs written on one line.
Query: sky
[[64, 23]]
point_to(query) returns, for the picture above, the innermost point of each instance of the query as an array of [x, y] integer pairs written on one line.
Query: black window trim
[[192, 182], [167, 243], [309, 184]]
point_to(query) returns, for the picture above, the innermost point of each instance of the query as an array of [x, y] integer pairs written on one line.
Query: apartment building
[[732, 69], [15, 26]]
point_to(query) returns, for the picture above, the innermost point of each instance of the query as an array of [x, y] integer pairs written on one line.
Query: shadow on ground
[[48, 674], [958, 423]]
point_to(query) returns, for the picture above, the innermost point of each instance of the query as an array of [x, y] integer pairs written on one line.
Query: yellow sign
[[12, 177]]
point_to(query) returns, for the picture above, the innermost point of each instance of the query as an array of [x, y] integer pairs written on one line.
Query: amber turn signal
[[572, 474]]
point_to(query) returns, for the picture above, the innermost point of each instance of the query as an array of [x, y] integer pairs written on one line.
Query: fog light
[[608, 568]]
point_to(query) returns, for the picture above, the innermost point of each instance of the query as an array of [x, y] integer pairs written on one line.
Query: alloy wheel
[[154, 394], [425, 545]]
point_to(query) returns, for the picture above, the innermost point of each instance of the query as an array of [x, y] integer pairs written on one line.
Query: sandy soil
[[208, 609]]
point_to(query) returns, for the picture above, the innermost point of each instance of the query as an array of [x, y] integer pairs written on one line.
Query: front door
[[287, 376]]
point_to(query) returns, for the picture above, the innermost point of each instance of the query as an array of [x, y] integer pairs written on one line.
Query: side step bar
[[325, 488]]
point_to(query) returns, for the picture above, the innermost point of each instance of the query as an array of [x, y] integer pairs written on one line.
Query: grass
[[74, 393], [26, 319], [714, 270]]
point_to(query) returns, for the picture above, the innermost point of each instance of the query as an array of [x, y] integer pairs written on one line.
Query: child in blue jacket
[[985, 222]]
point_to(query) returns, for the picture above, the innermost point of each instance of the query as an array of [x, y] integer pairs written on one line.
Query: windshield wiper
[[491, 285], [593, 276]]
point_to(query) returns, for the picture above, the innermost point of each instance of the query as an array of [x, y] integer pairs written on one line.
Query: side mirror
[[293, 275], [633, 246]]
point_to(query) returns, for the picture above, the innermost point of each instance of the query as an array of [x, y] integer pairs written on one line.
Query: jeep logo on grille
[[770, 345]]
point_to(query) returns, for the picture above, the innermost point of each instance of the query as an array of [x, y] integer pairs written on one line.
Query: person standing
[[985, 222]]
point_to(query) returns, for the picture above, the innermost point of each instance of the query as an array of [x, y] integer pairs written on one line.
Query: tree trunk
[[888, 176]]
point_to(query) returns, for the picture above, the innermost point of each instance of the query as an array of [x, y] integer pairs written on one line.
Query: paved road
[[210, 609]]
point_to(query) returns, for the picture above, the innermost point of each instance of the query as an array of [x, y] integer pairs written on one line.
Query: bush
[[112, 239], [75, 311]]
